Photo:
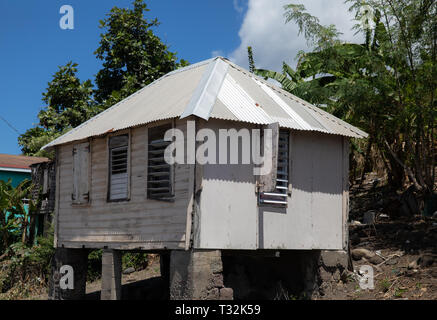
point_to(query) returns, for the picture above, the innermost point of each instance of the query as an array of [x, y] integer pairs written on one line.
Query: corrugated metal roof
[[214, 88], [318, 119], [206, 92], [241, 104]]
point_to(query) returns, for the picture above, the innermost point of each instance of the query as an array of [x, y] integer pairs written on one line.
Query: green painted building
[[17, 168], [16, 175]]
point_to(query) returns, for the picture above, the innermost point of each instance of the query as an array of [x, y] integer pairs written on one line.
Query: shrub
[[94, 265], [138, 261], [27, 264], [385, 285]]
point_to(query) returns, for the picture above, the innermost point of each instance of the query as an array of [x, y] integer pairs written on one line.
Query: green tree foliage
[[251, 60], [136, 260], [27, 269], [296, 82], [133, 56], [15, 218], [68, 103], [306, 81], [7, 226], [315, 33], [387, 85]]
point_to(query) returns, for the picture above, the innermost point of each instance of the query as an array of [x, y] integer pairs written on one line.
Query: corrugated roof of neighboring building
[[19, 162], [214, 88]]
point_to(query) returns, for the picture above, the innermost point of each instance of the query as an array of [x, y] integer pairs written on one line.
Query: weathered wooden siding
[[227, 214], [314, 217], [137, 223]]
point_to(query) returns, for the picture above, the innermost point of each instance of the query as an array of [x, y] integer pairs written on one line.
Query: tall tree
[[306, 81], [68, 103], [386, 85], [133, 56]]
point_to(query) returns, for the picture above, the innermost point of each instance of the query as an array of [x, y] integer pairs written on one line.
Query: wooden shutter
[[278, 196], [81, 173], [159, 172], [118, 167], [268, 181]]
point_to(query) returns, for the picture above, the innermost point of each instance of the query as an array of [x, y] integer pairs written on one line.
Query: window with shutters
[[279, 196], [81, 173], [118, 168], [159, 172]]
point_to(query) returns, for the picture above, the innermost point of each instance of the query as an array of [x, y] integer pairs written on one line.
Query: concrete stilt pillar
[[111, 275], [164, 261], [71, 283], [197, 275], [309, 262]]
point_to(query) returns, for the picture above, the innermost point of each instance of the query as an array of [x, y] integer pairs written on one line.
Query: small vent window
[[159, 172], [118, 167], [279, 196]]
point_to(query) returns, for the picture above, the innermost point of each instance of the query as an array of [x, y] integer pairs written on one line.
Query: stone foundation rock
[[197, 275], [267, 274], [77, 259]]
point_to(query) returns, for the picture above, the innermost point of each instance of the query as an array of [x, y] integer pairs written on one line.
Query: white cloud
[[273, 41]]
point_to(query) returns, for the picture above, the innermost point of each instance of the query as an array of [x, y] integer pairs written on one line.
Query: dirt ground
[[403, 262], [403, 268], [145, 284], [402, 250]]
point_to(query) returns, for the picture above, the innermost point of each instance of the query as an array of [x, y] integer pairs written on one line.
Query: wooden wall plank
[[139, 220]]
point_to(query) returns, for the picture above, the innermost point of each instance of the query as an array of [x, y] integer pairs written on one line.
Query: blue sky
[[32, 45]]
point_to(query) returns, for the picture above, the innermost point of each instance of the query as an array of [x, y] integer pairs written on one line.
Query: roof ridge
[[205, 95], [20, 155]]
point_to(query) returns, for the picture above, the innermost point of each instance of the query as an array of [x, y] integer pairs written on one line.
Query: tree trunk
[[367, 160], [31, 236], [404, 166]]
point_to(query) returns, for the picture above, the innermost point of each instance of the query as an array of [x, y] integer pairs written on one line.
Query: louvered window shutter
[[118, 167], [278, 197], [81, 174], [159, 173]]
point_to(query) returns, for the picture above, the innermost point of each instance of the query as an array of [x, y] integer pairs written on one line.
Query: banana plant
[[304, 82], [8, 223], [16, 212]]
